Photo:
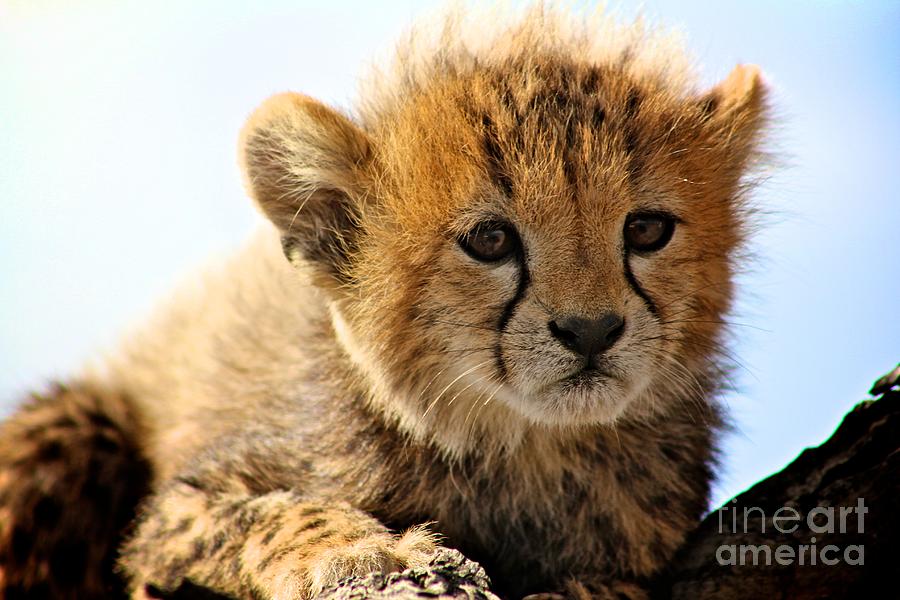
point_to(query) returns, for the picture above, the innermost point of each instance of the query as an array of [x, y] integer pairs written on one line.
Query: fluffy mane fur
[[459, 40]]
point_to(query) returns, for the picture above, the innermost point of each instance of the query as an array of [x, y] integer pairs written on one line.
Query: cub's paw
[[377, 553]]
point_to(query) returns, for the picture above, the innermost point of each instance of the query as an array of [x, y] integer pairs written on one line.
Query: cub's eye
[[490, 242], [649, 232]]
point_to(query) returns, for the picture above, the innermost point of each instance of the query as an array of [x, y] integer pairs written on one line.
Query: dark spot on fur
[[182, 526], [266, 561], [310, 511], [314, 524], [355, 536], [559, 100], [321, 537], [631, 144], [68, 562], [49, 451], [276, 555], [639, 471], [47, 512], [632, 106], [30, 592], [270, 535], [571, 173], [507, 100], [193, 482], [63, 422], [22, 541], [161, 521], [574, 491], [631, 476], [600, 523], [671, 453], [231, 509], [234, 566], [104, 443], [100, 420], [494, 156], [198, 549], [709, 105], [598, 116], [660, 501], [591, 81], [244, 521], [572, 138], [101, 495], [217, 542]]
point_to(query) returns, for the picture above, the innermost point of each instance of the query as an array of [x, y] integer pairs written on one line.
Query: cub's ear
[[303, 165], [735, 113]]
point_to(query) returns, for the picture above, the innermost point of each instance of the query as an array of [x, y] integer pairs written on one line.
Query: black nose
[[588, 337]]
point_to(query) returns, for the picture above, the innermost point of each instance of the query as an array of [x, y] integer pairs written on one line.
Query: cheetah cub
[[487, 315]]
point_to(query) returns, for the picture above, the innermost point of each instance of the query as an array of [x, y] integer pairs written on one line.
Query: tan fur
[[379, 378]]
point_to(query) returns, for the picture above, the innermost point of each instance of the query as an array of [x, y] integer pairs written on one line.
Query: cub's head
[[535, 232]]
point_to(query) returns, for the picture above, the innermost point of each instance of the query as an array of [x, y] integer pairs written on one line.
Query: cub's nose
[[588, 337]]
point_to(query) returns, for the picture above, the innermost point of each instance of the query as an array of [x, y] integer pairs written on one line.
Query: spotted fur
[[353, 383], [71, 475]]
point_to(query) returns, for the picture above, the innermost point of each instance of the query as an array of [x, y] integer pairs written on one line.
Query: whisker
[[449, 385], [717, 322], [693, 293]]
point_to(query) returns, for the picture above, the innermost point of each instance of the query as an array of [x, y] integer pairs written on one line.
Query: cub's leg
[[275, 546], [70, 479]]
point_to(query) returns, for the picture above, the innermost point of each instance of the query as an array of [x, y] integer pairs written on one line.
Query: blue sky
[[118, 124]]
